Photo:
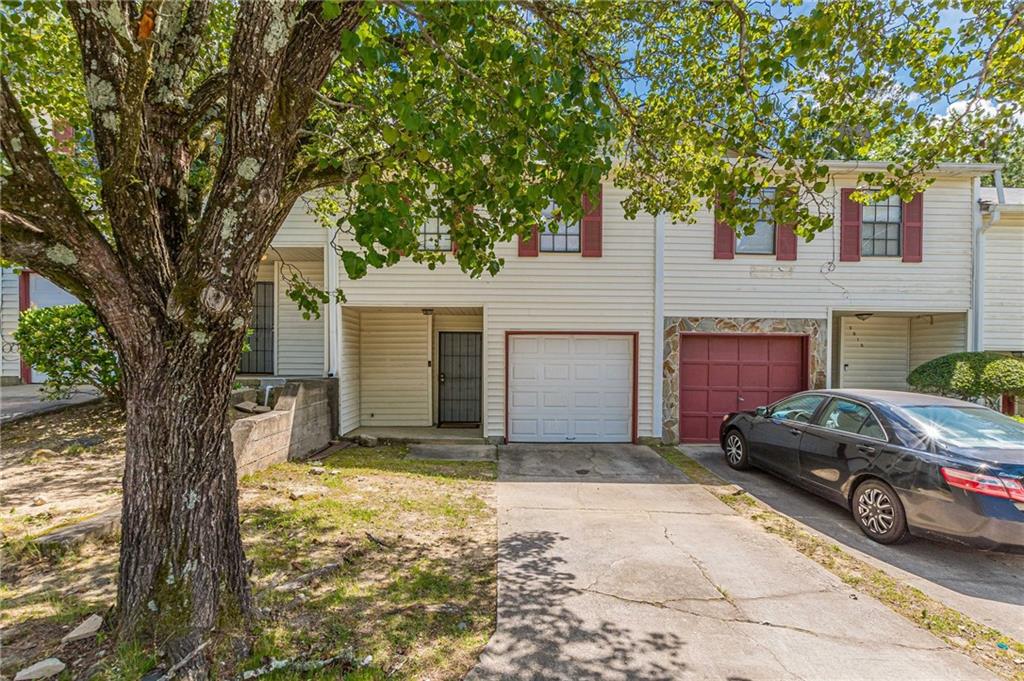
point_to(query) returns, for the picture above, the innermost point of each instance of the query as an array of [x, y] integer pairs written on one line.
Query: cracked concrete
[[633, 573]]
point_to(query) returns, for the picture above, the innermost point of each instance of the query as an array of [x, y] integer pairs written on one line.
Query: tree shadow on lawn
[[415, 604], [540, 636]]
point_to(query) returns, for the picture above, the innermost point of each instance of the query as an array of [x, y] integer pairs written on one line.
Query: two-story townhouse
[[1002, 264], [617, 329], [1001, 286], [749, 319]]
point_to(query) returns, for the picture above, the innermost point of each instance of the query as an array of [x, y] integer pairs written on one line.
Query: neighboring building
[[1003, 268], [618, 329]]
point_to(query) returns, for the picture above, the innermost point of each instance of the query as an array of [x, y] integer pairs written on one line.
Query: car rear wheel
[[879, 513], [736, 450]]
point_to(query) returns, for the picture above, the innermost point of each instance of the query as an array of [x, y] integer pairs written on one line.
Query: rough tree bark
[[172, 282]]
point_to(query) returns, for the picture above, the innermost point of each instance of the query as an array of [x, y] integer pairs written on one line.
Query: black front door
[[260, 357], [458, 375]]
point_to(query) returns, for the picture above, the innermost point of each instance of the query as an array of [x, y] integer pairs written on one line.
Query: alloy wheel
[[734, 449], [875, 509]]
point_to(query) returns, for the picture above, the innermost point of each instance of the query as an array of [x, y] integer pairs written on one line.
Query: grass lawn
[[387, 561]]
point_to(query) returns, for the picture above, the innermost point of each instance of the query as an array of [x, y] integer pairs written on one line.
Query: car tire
[[737, 454], [879, 513]]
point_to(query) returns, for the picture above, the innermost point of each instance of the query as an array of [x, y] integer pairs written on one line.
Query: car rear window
[[967, 426]]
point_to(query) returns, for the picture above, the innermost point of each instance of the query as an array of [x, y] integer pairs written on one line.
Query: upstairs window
[[762, 241], [565, 240], [881, 225], [435, 236]]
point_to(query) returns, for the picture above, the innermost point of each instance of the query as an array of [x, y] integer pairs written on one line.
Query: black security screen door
[[260, 358], [459, 378]]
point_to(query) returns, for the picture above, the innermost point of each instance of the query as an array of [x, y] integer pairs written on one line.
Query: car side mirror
[[761, 411]]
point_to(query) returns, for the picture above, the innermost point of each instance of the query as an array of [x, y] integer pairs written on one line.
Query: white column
[[659, 322]]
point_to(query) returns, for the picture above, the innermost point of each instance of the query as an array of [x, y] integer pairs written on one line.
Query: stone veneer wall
[[304, 420], [815, 329]]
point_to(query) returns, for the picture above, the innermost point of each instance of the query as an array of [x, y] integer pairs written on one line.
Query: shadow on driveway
[[548, 633], [987, 586]]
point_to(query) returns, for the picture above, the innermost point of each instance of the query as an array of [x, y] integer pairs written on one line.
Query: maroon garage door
[[720, 373]]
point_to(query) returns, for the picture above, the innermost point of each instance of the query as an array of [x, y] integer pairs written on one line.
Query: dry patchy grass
[[412, 593]]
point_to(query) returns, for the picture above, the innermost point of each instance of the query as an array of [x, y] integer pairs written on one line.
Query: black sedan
[[903, 463]]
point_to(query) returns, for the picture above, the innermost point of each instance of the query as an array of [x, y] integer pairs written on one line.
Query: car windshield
[[967, 426]]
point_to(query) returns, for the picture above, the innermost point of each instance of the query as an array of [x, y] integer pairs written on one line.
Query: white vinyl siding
[[299, 341], [1004, 285], [697, 285], [10, 358], [394, 379], [875, 353], [551, 292], [932, 336], [300, 229], [349, 388], [880, 351]]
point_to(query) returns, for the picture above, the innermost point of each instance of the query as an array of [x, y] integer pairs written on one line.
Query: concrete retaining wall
[[303, 421]]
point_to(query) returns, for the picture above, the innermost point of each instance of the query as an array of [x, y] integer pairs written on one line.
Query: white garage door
[[44, 293], [566, 388]]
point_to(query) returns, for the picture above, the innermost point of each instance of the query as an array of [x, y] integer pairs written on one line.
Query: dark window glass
[[799, 408], [850, 417], [881, 226]]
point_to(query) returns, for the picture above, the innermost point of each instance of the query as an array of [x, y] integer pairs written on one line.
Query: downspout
[[980, 227], [659, 323]]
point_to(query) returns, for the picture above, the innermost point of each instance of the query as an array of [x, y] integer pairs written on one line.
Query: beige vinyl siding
[[932, 336], [394, 379], [759, 286], [300, 342], [350, 370], [875, 352], [9, 306], [300, 229], [1004, 285], [551, 292]]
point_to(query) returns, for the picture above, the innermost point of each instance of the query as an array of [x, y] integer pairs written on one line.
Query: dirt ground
[[384, 562], [59, 468]]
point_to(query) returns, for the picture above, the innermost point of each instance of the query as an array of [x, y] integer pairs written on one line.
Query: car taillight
[[993, 486]]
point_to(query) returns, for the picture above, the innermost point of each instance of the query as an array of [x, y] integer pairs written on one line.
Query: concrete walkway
[[21, 401], [613, 566]]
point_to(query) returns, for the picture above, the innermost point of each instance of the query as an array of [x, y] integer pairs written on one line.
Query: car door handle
[[866, 449], [796, 431]]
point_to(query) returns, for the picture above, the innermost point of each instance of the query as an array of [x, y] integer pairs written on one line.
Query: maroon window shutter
[[591, 227], [913, 229], [849, 227], [785, 242], [725, 240], [530, 248]]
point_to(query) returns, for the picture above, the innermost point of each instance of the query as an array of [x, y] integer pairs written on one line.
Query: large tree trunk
[[182, 562]]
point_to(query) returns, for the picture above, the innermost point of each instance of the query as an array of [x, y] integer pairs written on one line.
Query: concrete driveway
[[986, 586], [613, 566]]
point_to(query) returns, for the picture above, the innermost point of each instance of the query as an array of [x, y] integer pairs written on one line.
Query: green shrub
[[69, 345], [970, 374]]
